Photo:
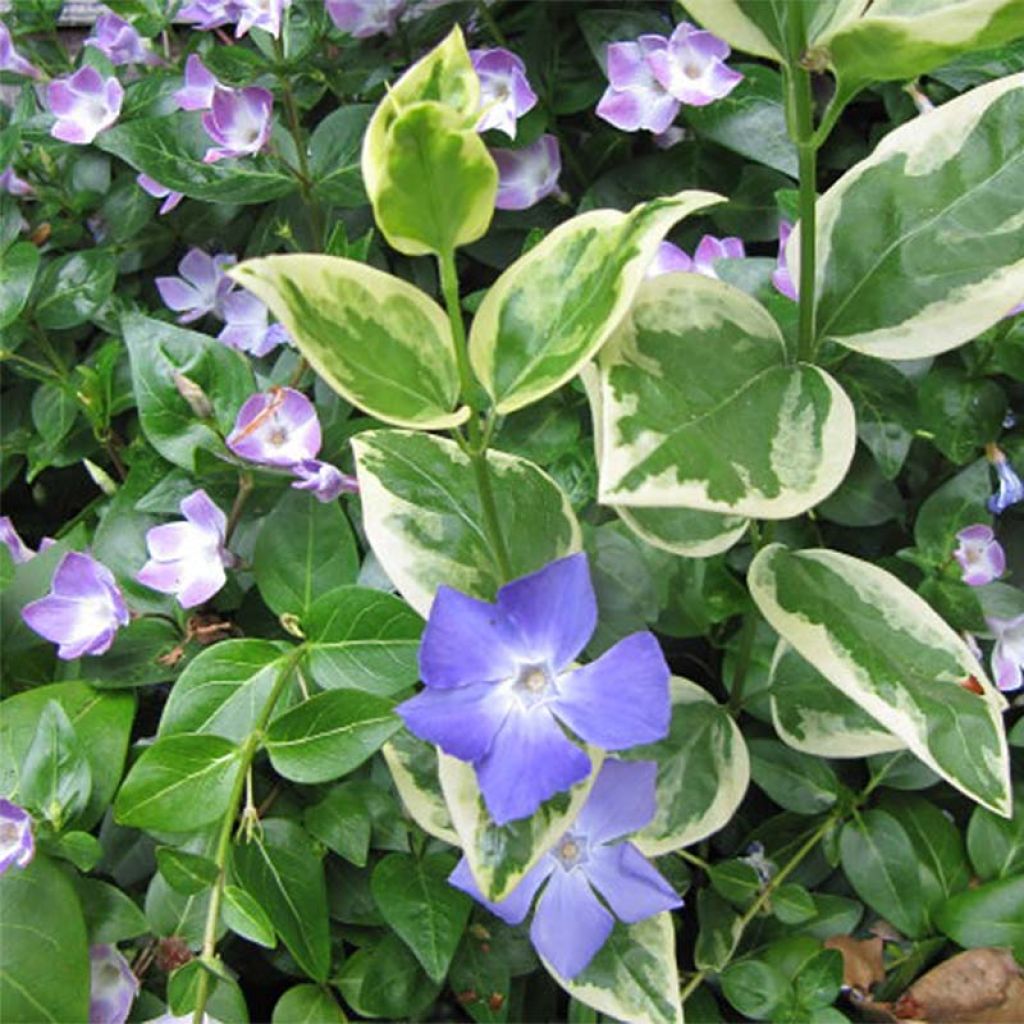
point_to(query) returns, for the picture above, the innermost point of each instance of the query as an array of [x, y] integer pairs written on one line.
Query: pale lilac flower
[[83, 610], [278, 427], [84, 104], [202, 288], [264, 14], [710, 249], [781, 278], [505, 93], [670, 137], [527, 175], [17, 845], [691, 66], [1008, 653], [200, 83], [324, 481], [246, 325], [980, 555], [591, 860], [112, 985], [1011, 489], [635, 98], [364, 18], [239, 121], [500, 686], [188, 558], [13, 185], [208, 14], [119, 41], [157, 191], [669, 259], [11, 60], [20, 551]]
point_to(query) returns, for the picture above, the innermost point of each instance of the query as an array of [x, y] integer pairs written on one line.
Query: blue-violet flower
[[119, 41], [278, 427], [200, 83], [246, 327], [505, 93], [238, 121], [201, 288], [84, 104], [364, 18], [17, 844], [980, 555], [527, 175], [11, 60], [1008, 653], [112, 985], [1011, 489], [324, 481]]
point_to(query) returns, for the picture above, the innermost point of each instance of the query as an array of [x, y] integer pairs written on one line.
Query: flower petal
[[632, 887], [570, 925], [621, 802], [462, 720], [516, 905]]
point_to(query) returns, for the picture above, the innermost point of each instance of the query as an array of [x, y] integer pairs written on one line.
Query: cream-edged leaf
[[413, 766]]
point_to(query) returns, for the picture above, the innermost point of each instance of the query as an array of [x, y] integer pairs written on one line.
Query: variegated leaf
[[499, 855], [701, 408], [553, 308], [422, 515], [887, 650], [703, 772], [413, 766], [381, 343], [812, 716], [921, 245], [633, 977]]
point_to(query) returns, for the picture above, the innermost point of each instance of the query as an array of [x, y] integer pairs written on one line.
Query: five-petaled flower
[[201, 288], [669, 258], [591, 860], [208, 14], [200, 83], [119, 41], [264, 14], [278, 427], [157, 191], [9, 536], [1008, 653], [1011, 489], [112, 985], [238, 121], [527, 175], [17, 845], [980, 555], [364, 18], [246, 325], [500, 686], [11, 60], [324, 481], [83, 610], [188, 558], [84, 104], [505, 93]]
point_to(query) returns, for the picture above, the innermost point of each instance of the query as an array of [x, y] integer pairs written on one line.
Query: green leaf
[[500, 855], [961, 414], [56, 780], [330, 734], [701, 407], [307, 1004], [633, 976], [281, 870], [995, 845], [552, 309], [689, 532], [223, 690], [102, 722], [73, 287], [385, 980], [703, 771], [812, 716], [414, 768], [377, 340], [171, 150], [17, 274], [180, 783], [416, 901], [883, 647], [481, 976], [424, 520], [80, 848], [793, 904], [135, 657], [304, 549], [754, 987], [879, 860], [795, 781], [362, 639], [245, 917], [865, 497], [719, 934], [959, 502], [334, 156], [109, 914], [341, 821], [44, 956], [920, 246], [158, 352], [990, 915], [736, 881], [819, 979], [187, 873]]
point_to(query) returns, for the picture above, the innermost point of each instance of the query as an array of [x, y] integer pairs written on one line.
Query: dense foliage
[[510, 510]]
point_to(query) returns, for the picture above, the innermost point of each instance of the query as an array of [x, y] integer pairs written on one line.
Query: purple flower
[[208, 14], [84, 104], [112, 985], [20, 551], [17, 846], [781, 278], [278, 427], [364, 18], [1011, 490], [246, 327], [505, 93], [200, 83], [1008, 653], [202, 287], [571, 923], [11, 60], [239, 121], [326, 482], [13, 185], [119, 42], [710, 249], [157, 191], [500, 686], [188, 559], [691, 66], [264, 14], [527, 175], [1019, 308], [669, 259], [635, 98], [83, 610], [980, 555]]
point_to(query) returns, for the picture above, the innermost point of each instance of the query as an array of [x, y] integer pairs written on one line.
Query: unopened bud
[[100, 477], [194, 395]]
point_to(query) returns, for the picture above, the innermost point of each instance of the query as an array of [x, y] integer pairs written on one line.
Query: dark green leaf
[[110, 915], [754, 988], [341, 820], [74, 286], [187, 873], [245, 917], [961, 413], [17, 272], [996, 845], [307, 1004], [386, 980], [56, 780], [795, 781], [991, 915], [334, 155]]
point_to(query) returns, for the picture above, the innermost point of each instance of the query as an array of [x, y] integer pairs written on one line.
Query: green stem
[[807, 156], [743, 661], [477, 449], [247, 755]]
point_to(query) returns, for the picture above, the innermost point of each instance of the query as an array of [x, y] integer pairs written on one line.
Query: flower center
[[278, 436], [570, 851], [692, 70], [8, 834], [532, 684]]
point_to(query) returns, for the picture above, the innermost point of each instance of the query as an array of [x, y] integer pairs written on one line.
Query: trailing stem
[[807, 154]]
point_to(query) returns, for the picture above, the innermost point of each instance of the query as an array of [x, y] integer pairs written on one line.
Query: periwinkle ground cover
[[511, 511]]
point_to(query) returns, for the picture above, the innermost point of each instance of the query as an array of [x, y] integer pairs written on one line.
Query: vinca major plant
[[511, 510]]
